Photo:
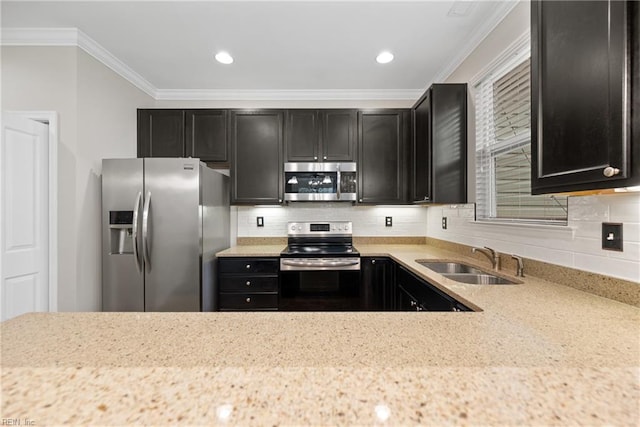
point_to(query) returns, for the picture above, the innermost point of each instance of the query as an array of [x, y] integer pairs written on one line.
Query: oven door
[[320, 284]]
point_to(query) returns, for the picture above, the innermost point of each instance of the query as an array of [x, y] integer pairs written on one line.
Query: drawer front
[[248, 301], [249, 265], [248, 284]]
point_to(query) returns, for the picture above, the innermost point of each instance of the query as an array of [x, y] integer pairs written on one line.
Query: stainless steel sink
[[443, 267], [479, 279], [465, 273]]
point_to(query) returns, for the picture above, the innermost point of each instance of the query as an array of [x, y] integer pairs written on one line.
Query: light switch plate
[[388, 221], [260, 221], [444, 222], [612, 236]]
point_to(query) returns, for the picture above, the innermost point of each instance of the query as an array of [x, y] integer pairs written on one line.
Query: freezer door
[[122, 277], [171, 234]]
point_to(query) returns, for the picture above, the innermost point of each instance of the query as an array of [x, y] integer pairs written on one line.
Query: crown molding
[[518, 50], [287, 95], [39, 37], [75, 37], [476, 38]]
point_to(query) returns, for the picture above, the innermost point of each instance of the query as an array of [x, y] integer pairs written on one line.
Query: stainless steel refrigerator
[[163, 221]]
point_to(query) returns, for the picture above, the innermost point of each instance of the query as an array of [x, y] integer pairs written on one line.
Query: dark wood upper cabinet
[[421, 164], [382, 156], [184, 133], [439, 166], [320, 135], [584, 94], [161, 133], [206, 135], [338, 135], [256, 156], [302, 135]]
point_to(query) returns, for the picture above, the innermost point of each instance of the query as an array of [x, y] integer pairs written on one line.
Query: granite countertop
[[537, 353]]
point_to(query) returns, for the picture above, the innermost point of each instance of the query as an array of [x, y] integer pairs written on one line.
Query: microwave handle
[[338, 179]]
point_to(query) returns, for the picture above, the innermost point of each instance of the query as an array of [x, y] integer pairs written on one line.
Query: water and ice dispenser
[[121, 230]]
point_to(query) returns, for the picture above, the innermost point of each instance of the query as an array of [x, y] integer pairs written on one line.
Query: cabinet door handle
[[248, 266], [248, 299], [315, 157], [610, 171], [248, 283], [373, 261]]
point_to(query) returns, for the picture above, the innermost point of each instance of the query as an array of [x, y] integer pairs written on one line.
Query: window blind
[[503, 149]]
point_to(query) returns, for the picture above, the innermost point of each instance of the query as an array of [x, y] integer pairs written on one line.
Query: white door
[[24, 175]]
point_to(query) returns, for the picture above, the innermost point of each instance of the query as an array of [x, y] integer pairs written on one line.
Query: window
[[503, 149]]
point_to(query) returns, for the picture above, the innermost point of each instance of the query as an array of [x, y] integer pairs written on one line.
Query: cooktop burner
[[319, 239], [319, 250]]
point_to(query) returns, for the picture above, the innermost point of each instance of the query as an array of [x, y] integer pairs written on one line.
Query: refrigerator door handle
[[145, 232], [134, 232]]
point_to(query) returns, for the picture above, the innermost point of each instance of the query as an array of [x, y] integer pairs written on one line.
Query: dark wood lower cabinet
[[247, 284], [377, 275], [389, 287], [252, 284], [416, 294]]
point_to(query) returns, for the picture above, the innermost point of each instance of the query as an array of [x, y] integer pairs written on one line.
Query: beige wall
[[96, 111]]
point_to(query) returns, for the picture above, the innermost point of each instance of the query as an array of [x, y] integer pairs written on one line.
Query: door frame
[[49, 118]]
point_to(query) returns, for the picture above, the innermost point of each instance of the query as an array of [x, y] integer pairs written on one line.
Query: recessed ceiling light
[[224, 58], [384, 57]]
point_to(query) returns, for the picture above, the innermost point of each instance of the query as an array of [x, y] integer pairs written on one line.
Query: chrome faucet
[[493, 256], [519, 265]]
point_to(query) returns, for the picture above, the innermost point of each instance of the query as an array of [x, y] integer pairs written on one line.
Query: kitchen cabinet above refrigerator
[[200, 133]]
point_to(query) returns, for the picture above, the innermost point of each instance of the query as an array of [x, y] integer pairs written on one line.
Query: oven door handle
[[319, 263]]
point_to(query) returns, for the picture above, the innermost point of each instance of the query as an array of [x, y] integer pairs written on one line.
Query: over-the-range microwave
[[323, 182]]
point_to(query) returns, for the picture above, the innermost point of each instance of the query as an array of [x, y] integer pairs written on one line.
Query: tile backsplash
[[367, 220], [577, 245]]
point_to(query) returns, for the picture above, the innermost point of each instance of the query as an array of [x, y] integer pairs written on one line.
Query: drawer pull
[[248, 299], [248, 283], [248, 266]]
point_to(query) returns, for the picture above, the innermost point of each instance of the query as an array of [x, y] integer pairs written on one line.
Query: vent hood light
[[224, 58], [384, 57]]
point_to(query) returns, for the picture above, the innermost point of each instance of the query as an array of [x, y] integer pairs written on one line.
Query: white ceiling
[[277, 45]]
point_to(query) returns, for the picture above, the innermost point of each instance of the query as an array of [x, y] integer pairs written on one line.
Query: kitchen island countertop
[[536, 353]]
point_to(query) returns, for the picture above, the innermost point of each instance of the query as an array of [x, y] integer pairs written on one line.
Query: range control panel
[[324, 228]]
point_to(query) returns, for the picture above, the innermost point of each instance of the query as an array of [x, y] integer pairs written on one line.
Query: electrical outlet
[[388, 221], [260, 221], [444, 222], [612, 236]]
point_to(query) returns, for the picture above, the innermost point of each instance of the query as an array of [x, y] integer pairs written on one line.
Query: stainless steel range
[[320, 268]]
